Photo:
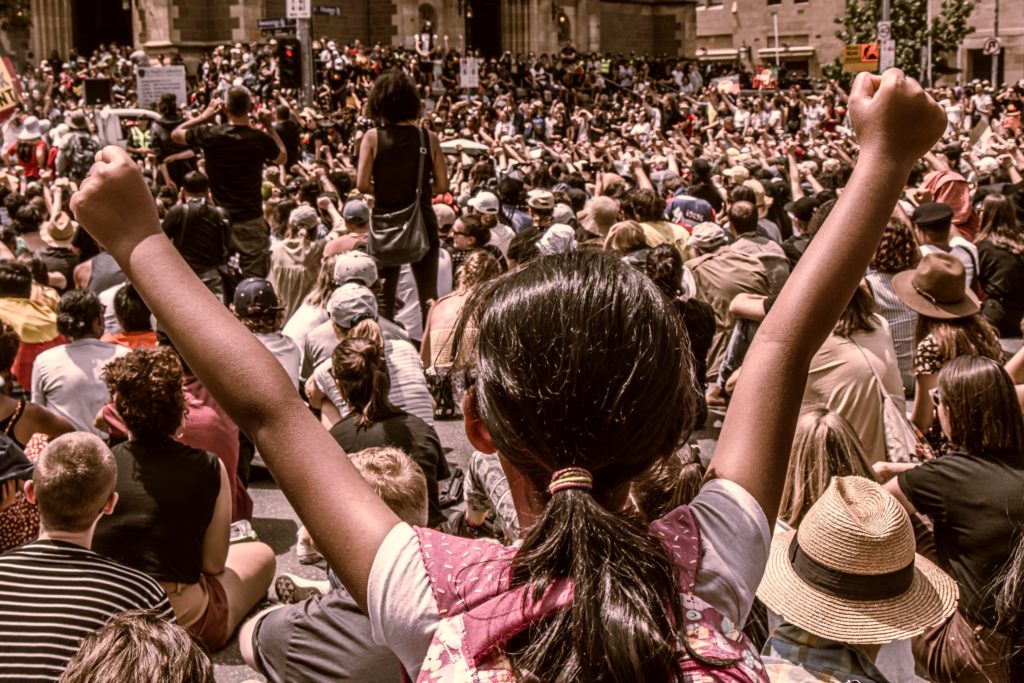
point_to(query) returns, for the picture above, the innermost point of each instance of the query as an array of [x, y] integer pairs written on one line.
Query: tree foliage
[[910, 29]]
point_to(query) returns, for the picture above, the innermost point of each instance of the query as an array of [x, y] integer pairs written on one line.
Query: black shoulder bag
[[401, 236]]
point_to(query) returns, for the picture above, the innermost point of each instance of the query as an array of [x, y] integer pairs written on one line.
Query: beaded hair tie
[[570, 478]]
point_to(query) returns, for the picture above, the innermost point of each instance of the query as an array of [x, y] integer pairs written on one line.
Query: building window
[[774, 2], [801, 2], [715, 3]]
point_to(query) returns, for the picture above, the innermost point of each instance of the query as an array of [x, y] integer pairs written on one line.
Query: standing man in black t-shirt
[[235, 153], [288, 130]]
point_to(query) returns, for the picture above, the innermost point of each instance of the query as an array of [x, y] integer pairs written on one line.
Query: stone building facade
[[491, 26], [743, 30]]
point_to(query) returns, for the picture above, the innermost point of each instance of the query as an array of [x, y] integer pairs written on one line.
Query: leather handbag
[[401, 236]]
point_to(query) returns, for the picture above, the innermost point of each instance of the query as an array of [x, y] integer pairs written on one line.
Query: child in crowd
[[581, 383]]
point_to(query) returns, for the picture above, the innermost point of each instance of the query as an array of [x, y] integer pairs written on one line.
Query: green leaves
[[909, 29]]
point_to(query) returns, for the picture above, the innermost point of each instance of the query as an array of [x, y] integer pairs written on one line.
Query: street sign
[[278, 24], [298, 9], [886, 54], [469, 72], [992, 47], [861, 57], [884, 30], [327, 10]]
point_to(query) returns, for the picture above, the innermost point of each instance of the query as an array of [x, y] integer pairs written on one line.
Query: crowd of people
[[596, 255]]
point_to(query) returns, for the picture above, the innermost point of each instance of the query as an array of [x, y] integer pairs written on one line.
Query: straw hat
[[937, 288], [59, 232], [850, 573]]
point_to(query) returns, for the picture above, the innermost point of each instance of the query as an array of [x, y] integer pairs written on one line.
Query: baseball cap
[[803, 208], [303, 217], [541, 200], [255, 296], [600, 215], [445, 215], [350, 304], [708, 236], [356, 211], [355, 266], [737, 173], [484, 202], [563, 213]]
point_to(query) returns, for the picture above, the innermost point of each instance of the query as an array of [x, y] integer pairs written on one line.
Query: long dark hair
[[999, 224], [581, 361], [1009, 590], [981, 406], [361, 371]]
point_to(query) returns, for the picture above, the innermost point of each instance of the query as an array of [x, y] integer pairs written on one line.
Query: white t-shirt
[[285, 351], [303, 321], [735, 540], [67, 380]]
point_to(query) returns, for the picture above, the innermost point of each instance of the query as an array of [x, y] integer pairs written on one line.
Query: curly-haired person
[[174, 517]]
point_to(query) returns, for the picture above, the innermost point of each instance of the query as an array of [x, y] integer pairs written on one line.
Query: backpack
[[80, 155]]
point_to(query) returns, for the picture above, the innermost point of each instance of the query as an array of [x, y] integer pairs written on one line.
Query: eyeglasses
[[457, 232], [935, 396]]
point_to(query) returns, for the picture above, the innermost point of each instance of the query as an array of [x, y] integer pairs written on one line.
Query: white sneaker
[[291, 589], [305, 552]]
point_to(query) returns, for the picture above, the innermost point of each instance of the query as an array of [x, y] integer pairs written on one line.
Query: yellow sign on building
[[861, 57]]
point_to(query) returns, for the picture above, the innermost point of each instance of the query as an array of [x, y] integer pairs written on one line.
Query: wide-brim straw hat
[[937, 288], [850, 572], [59, 232]]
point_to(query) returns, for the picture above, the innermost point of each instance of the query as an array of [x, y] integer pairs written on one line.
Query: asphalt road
[[276, 524]]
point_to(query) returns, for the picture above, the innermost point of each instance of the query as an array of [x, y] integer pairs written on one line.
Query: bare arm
[[218, 534], [748, 307], [896, 122], [440, 184], [178, 134], [327, 492], [364, 171]]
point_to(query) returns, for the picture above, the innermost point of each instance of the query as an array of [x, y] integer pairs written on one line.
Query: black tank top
[[167, 492], [395, 166]]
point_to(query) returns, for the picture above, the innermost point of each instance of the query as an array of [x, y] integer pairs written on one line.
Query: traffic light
[[289, 62]]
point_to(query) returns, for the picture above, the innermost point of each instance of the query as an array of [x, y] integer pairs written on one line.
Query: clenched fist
[[894, 117], [113, 202]]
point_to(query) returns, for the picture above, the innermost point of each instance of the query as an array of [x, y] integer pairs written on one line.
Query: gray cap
[[355, 266], [350, 304], [356, 211], [303, 217]]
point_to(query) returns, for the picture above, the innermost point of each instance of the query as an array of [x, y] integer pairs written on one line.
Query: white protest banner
[[469, 72], [153, 81]]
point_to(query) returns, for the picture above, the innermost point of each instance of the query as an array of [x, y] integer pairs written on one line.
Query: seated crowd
[[840, 304]]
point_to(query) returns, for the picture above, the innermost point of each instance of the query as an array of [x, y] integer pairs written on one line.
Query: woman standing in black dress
[[388, 165]]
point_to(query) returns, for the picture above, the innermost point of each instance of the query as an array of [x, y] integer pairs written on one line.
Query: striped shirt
[[902, 323], [52, 595], [409, 390]]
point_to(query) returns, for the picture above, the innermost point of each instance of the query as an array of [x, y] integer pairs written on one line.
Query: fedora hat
[[937, 288], [850, 572], [59, 232]]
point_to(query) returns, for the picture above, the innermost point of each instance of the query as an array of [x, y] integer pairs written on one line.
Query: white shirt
[[67, 380], [409, 390], [403, 612], [285, 351], [303, 321], [964, 250]]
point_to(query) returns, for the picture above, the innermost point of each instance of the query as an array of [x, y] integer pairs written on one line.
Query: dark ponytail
[[581, 362], [361, 371]]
